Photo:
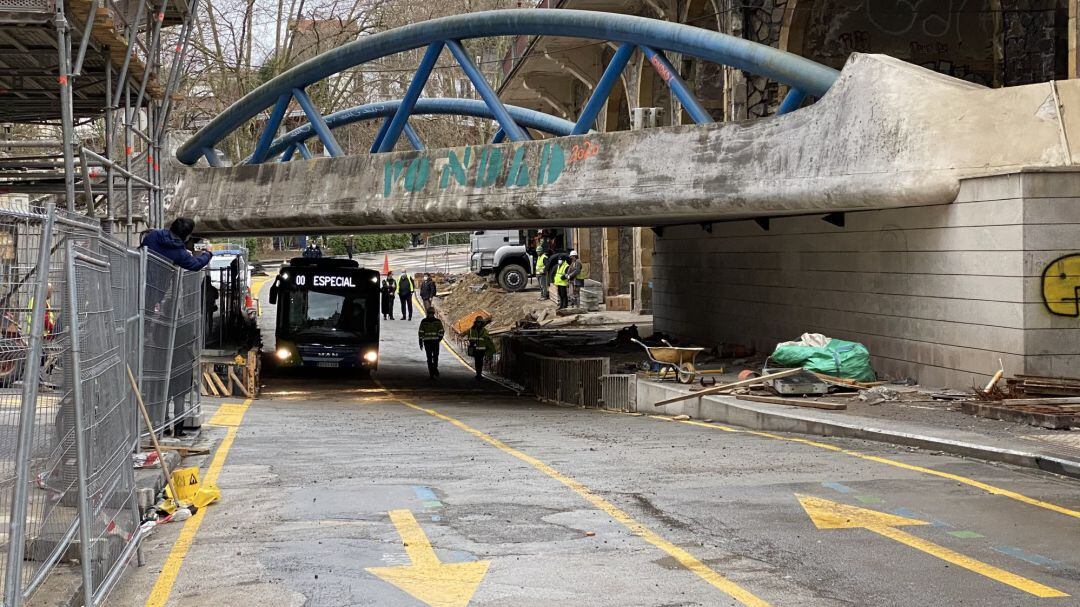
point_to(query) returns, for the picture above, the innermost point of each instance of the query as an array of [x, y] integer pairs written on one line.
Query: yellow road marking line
[[159, 594], [683, 557], [898, 464], [827, 514], [960, 560], [873, 458]]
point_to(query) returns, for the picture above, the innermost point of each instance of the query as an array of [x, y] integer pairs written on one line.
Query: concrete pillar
[[643, 270], [1074, 38], [610, 262]]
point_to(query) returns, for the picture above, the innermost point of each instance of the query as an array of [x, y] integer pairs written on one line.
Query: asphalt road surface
[[396, 490]]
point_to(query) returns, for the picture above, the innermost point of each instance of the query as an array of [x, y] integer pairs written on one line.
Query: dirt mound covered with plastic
[[470, 293]]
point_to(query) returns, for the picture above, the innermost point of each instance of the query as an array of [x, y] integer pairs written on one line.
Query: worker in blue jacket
[[171, 244]]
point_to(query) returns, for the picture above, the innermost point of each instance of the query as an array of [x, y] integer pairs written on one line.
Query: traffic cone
[[385, 264]]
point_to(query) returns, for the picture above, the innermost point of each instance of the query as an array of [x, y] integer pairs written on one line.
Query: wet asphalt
[[320, 460]]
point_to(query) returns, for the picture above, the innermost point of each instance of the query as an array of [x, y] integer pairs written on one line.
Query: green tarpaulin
[[846, 359]]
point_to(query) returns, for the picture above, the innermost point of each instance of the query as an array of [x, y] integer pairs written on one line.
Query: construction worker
[[562, 281], [481, 345], [541, 273], [431, 333], [405, 288], [388, 288], [428, 289], [350, 245], [172, 245], [574, 279]]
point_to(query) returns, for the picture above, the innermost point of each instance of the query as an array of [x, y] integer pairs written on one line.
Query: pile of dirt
[[471, 293]]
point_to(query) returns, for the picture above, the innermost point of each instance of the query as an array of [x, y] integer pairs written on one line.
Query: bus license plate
[[328, 364]]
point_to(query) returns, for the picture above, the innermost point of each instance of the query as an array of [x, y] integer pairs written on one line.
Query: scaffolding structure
[[103, 76]]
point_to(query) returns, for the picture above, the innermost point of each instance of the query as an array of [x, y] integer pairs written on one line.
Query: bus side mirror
[[273, 292]]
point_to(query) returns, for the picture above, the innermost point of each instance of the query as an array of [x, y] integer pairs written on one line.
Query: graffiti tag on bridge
[[1061, 286], [481, 167]]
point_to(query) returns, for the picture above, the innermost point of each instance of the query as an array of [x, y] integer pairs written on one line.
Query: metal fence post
[[178, 285], [72, 313], [31, 369]]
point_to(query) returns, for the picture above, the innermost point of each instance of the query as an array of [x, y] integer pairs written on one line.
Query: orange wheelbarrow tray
[[668, 358]]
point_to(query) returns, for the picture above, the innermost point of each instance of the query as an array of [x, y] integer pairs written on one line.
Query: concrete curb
[[725, 409]]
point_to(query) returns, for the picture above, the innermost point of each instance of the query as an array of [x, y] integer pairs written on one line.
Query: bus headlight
[[371, 356], [284, 354]]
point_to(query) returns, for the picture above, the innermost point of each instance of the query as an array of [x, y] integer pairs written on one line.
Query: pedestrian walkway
[[930, 425]]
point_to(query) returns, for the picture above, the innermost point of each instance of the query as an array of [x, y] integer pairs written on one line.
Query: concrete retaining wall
[[939, 293]]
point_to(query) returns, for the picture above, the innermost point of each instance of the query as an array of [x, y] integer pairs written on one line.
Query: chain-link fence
[[77, 309]]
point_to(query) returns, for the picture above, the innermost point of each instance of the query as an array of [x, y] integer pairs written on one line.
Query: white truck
[[502, 253]]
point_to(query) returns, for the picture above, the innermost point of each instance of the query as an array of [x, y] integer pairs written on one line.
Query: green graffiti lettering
[[416, 177], [455, 168], [556, 162], [391, 171], [545, 152], [492, 167], [519, 173]]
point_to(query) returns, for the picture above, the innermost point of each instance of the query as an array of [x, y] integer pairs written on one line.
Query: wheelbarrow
[[668, 358]]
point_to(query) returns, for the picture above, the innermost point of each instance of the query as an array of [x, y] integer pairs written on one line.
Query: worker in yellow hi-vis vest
[[562, 280]]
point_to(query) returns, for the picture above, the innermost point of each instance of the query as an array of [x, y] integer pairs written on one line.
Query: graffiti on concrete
[[1061, 286], [585, 150], [481, 167]]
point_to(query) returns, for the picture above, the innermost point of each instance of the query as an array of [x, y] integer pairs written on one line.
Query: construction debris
[[812, 403], [1054, 417]]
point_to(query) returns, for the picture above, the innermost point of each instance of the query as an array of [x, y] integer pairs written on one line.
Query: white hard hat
[[573, 253]]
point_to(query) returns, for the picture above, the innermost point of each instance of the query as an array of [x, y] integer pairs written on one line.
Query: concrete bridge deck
[[888, 134]]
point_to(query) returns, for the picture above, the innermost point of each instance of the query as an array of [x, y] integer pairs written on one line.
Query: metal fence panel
[[619, 392], [75, 306]]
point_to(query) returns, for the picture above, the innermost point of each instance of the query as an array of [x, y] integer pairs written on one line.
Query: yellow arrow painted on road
[[427, 579], [828, 514]]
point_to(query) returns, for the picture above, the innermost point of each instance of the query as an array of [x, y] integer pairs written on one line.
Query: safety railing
[[73, 318], [567, 381], [618, 392]]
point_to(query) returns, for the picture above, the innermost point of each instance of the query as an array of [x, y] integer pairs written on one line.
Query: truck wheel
[[513, 277]]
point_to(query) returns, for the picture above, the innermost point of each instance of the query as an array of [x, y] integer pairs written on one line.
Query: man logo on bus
[[333, 281]]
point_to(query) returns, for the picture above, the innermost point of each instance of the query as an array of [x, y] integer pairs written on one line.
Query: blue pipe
[[289, 153], [378, 136], [267, 136], [401, 116], [677, 85], [798, 72], [792, 101], [600, 95], [317, 123], [413, 137], [524, 117], [305, 153], [500, 136], [488, 94]]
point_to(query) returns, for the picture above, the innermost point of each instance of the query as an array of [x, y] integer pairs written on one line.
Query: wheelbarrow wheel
[[686, 373]]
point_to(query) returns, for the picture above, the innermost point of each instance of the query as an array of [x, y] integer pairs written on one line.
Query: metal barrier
[[569, 381], [619, 392], [73, 317]]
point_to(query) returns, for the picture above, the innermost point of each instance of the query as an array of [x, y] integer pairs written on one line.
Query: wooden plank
[[239, 384], [1043, 420], [210, 383], [1017, 402], [221, 385], [718, 389], [794, 402]]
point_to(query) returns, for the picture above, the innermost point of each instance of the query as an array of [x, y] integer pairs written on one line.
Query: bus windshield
[[333, 314]]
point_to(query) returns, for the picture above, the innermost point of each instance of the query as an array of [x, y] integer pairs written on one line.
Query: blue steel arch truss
[[291, 143], [653, 37]]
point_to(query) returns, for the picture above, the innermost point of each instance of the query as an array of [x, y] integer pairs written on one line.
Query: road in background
[[341, 490]]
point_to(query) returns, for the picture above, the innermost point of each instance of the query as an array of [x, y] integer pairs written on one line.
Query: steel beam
[[677, 85], [600, 94], [416, 86], [425, 106], [798, 72], [488, 94], [318, 123]]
